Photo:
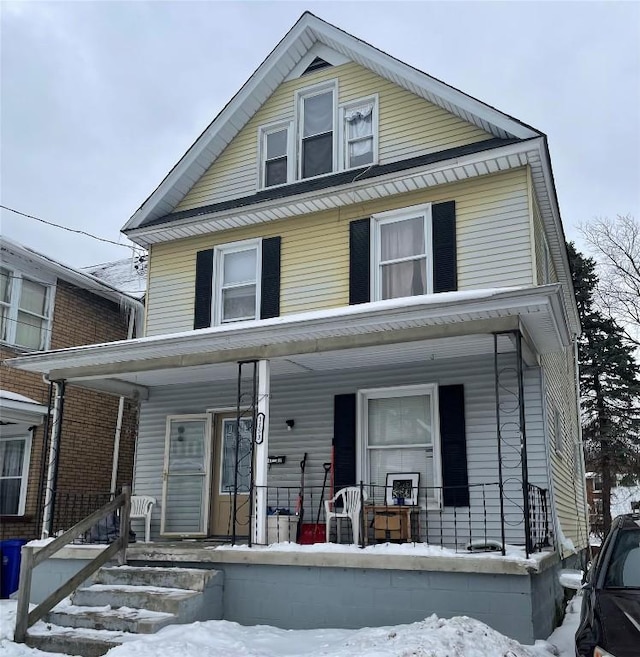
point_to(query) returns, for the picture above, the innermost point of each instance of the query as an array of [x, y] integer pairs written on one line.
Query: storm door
[[186, 476]]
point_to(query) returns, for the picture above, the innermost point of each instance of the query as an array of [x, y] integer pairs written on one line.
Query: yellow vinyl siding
[[493, 247], [408, 126], [539, 242], [567, 476]]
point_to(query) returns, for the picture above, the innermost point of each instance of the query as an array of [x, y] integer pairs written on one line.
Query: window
[[558, 438], [359, 133], [597, 484], [400, 434], [316, 118], [401, 252], [14, 471], [24, 310], [237, 282], [276, 159]]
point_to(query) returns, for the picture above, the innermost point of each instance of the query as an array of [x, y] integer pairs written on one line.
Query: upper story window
[[317, 132], [236, 280], [401, 253], [321, 139], [360, 136], [25, 310], [275, 155]]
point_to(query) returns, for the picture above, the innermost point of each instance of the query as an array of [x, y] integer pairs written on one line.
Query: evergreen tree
[[609, 387]]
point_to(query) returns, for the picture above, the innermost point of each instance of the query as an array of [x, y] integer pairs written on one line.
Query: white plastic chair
[[351, 507], [141, 507]]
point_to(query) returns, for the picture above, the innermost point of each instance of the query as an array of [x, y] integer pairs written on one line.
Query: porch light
[[290, 424]]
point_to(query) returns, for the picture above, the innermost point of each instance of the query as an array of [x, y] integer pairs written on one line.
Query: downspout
[[54, 446], [116, 438], [43, 459]]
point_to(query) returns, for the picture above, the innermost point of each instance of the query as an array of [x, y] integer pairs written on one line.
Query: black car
[[610, 615]]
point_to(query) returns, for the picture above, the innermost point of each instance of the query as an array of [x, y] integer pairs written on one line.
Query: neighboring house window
[[316, 130], [276, 158], [597, 484], [360, 133], [14, 472], [24, 310], [400, 435], [236, 280], [402, 243]]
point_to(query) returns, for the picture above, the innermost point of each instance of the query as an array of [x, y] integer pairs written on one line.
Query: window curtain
[[403, 239], [360, 125], [11, 459]]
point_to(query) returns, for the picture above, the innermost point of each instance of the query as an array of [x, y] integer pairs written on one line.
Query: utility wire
[[71, 230]]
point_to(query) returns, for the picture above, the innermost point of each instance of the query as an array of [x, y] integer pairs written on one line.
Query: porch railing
[[475, 527], [539, 528], [25, 618], [70, 507]]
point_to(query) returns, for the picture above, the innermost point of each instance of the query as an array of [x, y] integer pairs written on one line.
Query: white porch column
[[262, 453]]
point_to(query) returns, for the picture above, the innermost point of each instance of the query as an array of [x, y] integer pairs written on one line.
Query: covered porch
[[387, 388]]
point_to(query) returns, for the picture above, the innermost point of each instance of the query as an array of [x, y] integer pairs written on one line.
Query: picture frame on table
[[402, 488]]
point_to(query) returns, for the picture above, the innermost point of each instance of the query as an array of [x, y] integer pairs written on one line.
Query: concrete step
[[195, 579], [73, 641], [181, 602], [123, 619]]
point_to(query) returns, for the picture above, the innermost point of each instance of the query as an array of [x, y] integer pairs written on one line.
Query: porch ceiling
[[374, 334]]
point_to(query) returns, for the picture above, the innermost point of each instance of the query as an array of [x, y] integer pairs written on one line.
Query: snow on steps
[[125, 601]]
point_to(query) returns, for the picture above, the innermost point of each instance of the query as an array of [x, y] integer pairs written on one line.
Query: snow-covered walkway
[[433, 637]]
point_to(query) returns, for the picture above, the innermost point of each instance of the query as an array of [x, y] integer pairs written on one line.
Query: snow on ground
[[434, 637]]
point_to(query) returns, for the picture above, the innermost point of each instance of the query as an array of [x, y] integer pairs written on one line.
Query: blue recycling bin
[[10, 571]]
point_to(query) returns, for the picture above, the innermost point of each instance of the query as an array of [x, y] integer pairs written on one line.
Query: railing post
[[24, 593], [361, 519], [125, 522]]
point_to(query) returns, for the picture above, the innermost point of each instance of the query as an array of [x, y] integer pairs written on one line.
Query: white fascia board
[[443, 308], [306, 32], [557, 234], [219, 124], [18, 411], [138, 236], [448, 93], [71, 275]]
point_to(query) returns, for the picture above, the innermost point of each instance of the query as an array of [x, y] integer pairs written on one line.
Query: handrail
[[25, 618]]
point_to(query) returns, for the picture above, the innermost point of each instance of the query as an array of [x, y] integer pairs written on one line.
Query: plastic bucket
[[311, 533], [10, 570]]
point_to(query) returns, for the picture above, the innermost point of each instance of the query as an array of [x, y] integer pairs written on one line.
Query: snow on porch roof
[[16, 408], [538, 310]]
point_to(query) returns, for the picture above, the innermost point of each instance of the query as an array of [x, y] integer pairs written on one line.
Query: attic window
[[316, 130], [316, 65]]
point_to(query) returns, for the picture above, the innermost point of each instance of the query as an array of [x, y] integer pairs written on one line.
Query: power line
[[71, 230]]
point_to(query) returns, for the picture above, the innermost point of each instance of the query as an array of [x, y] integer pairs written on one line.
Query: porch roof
[[130, 366]]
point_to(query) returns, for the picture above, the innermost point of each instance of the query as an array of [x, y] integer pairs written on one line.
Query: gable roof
[[308, 31]]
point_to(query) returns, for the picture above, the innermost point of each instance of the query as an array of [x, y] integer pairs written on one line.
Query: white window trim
[[26, 459], [362, 451], [218, 256], [265, 130], [344, 146], [15, 286], [393, 216], [299, 96], [204, 507]]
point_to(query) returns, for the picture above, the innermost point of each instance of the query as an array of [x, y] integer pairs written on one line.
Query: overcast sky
[[100, 99]]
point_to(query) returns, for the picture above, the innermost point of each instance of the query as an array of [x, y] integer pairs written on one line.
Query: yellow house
[[357, 280]]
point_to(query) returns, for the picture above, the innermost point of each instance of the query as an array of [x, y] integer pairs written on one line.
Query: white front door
[[186, 476]]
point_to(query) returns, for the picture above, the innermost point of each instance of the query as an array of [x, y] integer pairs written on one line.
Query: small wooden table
[[392, 523]]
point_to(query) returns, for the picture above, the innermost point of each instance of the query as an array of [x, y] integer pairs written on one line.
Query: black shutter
[[204, 288], [359, 261], [270, 290], [445, 275], [344, 441], [453, 443]]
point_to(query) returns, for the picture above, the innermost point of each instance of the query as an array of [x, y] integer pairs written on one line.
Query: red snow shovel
[[316, 532]]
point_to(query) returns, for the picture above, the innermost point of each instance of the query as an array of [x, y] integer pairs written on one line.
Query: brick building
[[47, 305]]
